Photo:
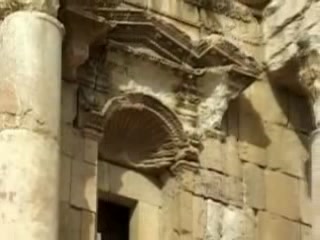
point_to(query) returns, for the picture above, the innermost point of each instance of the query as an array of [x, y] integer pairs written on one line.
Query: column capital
[[47, 6]]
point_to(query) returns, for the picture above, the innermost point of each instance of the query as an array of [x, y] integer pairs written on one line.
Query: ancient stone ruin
[[160, 120]]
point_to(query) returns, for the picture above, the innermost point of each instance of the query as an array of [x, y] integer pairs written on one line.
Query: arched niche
[[140, 132]]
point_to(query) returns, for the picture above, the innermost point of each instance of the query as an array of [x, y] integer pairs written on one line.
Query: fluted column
[[30, 88]]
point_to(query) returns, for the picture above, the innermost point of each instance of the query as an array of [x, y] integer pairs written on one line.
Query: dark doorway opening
[[113, 221]]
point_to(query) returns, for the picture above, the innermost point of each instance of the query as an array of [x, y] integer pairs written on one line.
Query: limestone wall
[[252, 186]]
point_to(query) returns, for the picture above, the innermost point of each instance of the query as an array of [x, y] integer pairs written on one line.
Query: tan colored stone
[[145, 222], [103, 176], [88, 225], [255, 188], [199, 217], [213, 155], [252, 153], [259, 97], [90, 150], [131, 184], [65, 179], [211, 185], [305, 202], [238, 224], [306, 232], [84, 186], [233, 191], [213, 224], [282, 195], [186, 215], [288, 151], [276, 228], [232, 161], [70, 223], [68, 102]]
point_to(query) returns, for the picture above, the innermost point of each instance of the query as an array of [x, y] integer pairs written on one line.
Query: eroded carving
[[310, 72]]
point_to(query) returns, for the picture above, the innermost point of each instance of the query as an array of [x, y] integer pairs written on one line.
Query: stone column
[[30, 82]]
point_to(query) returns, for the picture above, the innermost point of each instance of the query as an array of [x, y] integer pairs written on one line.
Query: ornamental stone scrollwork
[[310, 72]]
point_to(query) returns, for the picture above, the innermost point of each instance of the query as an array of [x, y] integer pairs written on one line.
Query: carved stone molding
[[139, 132], [137, 26], [82, 31], [310, 73]]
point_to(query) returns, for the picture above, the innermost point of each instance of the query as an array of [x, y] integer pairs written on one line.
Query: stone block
[[186, 214], [232, 161], [300, 115], [276, 228], [252, 153], [131, 184], [261, 96], [213, 155], [233, 191], [287, 151], [238, 224], [282, 195], [68, 102], [255, 187], [199, 217], [88, 225], [103, 177], [65, 178], [306, 232], [305, 202], [144, 222], [211, 185], [214, 220], [90, 150], [70, 223], [70, 141], [178, 9], [84, 186]]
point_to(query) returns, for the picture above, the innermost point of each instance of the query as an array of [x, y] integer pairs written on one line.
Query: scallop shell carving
[[141, 132]]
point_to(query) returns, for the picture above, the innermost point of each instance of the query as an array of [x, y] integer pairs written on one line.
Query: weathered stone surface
[[232, 161], [238, 224], [305, 202], [288, 161], [306, 232], [255, 188], [88, 225], [145, 215], [70, 223], [233, 191], [259, 97], [276, 228], [200, 211], [90, 150], [128, 183], [211, 185], [213, 155], [84, 186], [253, 153], [215, 213], [65, 178], [68, 102], [282, 195]]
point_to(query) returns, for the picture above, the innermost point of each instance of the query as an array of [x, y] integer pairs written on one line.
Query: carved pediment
[[137, 26]]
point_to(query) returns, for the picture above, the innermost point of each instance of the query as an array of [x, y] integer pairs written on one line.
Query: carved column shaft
[[30, 88]]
